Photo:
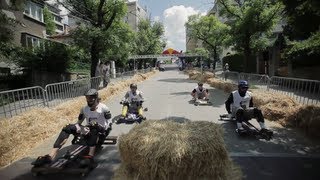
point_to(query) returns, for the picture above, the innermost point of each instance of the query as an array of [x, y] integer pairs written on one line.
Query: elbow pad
[[107, 115]]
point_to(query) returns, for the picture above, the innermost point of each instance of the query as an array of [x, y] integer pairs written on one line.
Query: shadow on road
[[177, 80], [176, 119], [108, 160], [283, 141], [217, 97], [181, 93]]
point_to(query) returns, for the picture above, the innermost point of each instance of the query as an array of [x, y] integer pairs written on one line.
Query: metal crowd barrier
[[14, 102], [304, 91], [17, 101]]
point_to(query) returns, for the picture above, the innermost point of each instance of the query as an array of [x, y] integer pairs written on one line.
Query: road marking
[[243, 154]]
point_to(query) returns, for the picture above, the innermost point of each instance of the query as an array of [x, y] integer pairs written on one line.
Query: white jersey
[[132, 98], [239, 101], [198, 90], [97, 115]]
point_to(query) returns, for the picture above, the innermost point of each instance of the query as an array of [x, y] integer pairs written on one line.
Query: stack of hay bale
[[170, 150]]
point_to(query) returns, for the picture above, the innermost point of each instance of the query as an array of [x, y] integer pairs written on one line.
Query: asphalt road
[[289, 155]]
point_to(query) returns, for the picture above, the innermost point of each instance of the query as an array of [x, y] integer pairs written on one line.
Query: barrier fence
[[304, 91], [14, 102]]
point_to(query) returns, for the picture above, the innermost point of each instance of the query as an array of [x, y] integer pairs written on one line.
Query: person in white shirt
[[240, 105], [135, 99], [200, 92], [98, 121]]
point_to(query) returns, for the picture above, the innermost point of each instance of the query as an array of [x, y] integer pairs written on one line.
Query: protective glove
[[85, 130], [78, 128]]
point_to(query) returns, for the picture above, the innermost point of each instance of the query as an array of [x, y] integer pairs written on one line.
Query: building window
[[30, 41], [57, 18], [34, 11], [59, 27]]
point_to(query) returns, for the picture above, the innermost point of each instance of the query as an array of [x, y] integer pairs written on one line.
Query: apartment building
[[31, 28], [192, 43], [135, 14]]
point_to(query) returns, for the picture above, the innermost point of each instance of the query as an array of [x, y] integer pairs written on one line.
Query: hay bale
[[208, 75], [32, 127], [275, 106], [171, 150], [23, 132], [225, 86], [306, 118]]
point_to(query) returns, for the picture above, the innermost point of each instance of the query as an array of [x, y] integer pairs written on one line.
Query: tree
[[304, 38], [121, 43], [298, 12], [49, 20], [252, 22], [7, 49], [213, 33], [149, 39], [101, 15]]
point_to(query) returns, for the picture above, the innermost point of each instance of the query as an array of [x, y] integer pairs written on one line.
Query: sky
[[174, 14]]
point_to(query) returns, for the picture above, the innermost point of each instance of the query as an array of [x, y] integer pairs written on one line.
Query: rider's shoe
[[241, 131], [264, 130], [42, 160], [120, 120], [87, 161]]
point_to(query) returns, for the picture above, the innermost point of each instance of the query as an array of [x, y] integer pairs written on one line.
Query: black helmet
[[133, 85], [243, 84], [92, 92]]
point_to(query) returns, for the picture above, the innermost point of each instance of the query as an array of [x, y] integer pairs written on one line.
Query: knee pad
[[258, 114], [240, 112], [239, 115], [69, 128], [257, 111]]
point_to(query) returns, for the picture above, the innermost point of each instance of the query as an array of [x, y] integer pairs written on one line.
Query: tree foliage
[[302, 29], [149, 38], [49, 20], [6, 30], [50, 57], [310, 46], [102, 16], [213, 33], [302, 17], [252, 22]]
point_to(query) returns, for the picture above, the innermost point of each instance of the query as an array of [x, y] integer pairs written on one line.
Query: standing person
[[96, 115], [98, 73], [106, 74], [226, 71], [240, 105]]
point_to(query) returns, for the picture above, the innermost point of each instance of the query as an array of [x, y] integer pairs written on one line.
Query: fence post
[[269, 82]]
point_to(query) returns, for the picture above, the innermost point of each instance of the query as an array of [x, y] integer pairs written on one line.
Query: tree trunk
[[247, 53], [94, 57], [215, 57]]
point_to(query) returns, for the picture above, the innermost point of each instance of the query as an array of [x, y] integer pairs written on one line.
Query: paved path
[[288, 156]]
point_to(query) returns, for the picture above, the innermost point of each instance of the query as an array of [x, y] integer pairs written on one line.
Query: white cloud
[[174, 20]]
